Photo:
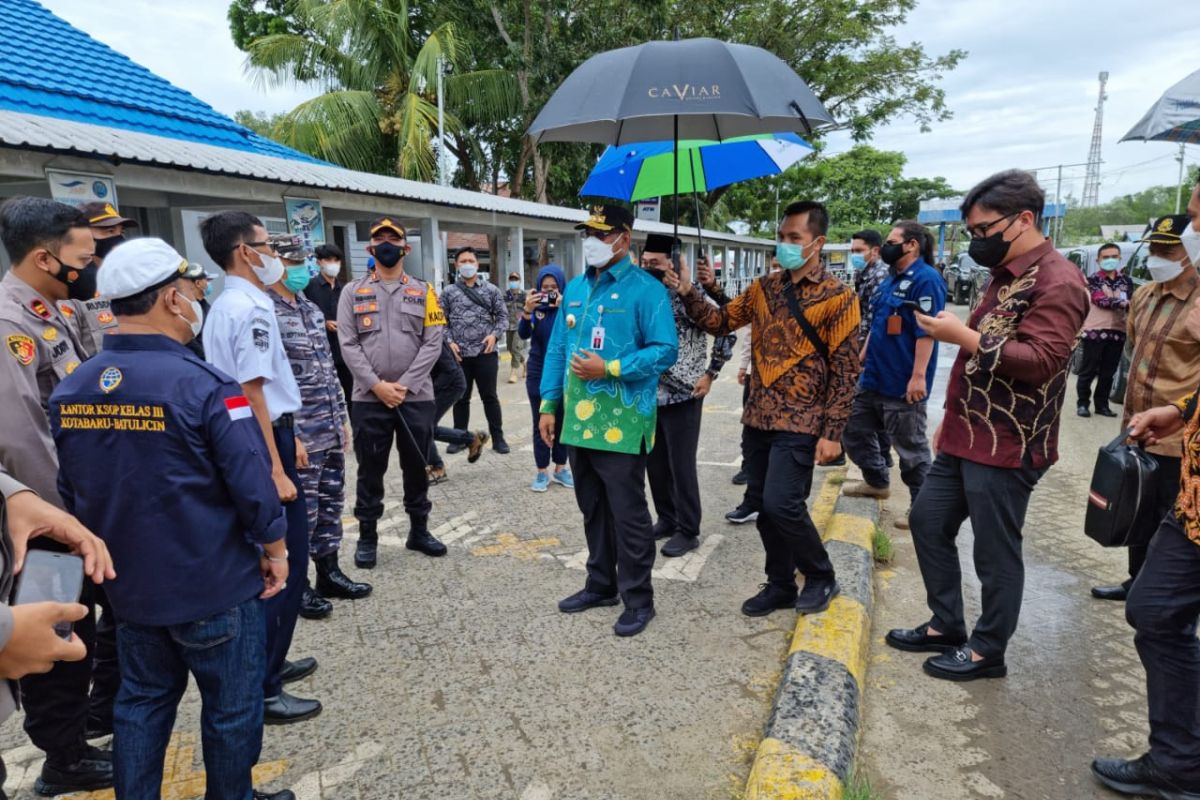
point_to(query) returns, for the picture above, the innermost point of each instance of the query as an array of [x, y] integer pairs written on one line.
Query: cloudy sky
[[1024, 97]]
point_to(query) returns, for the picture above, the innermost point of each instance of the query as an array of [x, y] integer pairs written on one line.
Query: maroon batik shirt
[[1003, 402]]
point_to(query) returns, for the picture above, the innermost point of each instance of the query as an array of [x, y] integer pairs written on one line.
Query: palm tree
[[378, 108]]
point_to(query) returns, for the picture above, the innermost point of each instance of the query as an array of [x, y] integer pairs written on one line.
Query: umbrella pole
[[696, 203], [675, 166]]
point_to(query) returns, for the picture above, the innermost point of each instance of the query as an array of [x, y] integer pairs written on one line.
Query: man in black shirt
[[325, 290]]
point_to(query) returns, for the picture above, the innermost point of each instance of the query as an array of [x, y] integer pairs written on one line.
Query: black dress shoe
[[455, 448], [368, 545], [286, 709], [770, 598], [297, 670], [816, 596], [584, 600], [741, 515], [286, 794], [1118, 592], [662, 531], [741, 478], [91, 771], [499, 445], [332, 582], [957, 665], [633, 621], [1106, 412], [918, 640], [313, 606], [1083, 411], [680, 544], [425, 542], [1141, 778]]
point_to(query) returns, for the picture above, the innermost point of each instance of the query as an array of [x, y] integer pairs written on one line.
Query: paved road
[[459, 679], [1075, 687]]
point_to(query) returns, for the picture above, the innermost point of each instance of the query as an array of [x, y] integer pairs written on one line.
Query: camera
[[551, 297]]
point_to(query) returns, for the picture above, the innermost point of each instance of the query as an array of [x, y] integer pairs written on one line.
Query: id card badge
[[894, 324], [597, 338]]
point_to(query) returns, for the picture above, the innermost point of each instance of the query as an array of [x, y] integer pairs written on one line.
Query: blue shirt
[[890, 357], [618, 412], [162, 458]]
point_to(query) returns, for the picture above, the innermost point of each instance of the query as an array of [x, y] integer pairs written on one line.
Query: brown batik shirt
[[1165, 364], [1003, 402], [792, 389]]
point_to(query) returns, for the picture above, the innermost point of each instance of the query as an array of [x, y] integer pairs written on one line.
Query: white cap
[[138, 265]]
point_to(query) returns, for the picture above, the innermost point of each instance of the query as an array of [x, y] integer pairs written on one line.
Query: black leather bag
[[1122, 493]]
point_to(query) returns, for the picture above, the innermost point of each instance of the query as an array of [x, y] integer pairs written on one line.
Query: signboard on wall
[[306, 219], [77, 188], [647, 209]]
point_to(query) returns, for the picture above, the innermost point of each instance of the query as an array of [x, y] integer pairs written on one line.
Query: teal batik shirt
[[618, 412]]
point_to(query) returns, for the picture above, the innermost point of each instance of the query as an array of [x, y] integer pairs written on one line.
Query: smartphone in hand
[[53, 577]]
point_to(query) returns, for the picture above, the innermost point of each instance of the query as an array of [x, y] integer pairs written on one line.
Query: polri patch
[[40, 309], [22, 348], [50, 334]]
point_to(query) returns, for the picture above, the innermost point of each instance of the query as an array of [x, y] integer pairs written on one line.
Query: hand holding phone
[[35, 644], [55, 578]]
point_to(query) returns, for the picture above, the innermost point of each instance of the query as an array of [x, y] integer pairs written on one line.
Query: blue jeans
[[227, 655]]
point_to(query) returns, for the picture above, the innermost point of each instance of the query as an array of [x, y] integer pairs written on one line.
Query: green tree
[[377, 62], [260, 122], [1082, 225]]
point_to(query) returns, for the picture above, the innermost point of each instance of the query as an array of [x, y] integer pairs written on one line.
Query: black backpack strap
[[789, 291], [473, 295]]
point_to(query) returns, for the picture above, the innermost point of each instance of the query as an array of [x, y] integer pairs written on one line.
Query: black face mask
[[891, 253], [388, 254], [105, 246], [658, 274], [80, 281], [990, 251]]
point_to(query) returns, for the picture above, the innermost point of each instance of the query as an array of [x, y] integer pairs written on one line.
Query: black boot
[[314, 606], [332, 582], [421, 540], [368, 544]]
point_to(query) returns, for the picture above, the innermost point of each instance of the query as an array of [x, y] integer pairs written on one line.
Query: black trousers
[[283, 609], [1163, 607], [480, 371], [610, 489], [377, 428], [106, 672], [995, 499], [1166, 493], [1099, 363], [875, 417], [671, 468], [449, 385], [780, 468], [56, 702], [345, 378]]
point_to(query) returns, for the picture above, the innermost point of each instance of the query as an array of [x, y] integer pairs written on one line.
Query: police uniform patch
[[105, 317], [22, 348], [367, 322], [262, 338], [365, 308], [904, 284], [70, 367], [110, 379], [926, 304], [363, 290], [67, 311], [434, 316], [50, 334], [59, 350], [413, 291], [40, 309]]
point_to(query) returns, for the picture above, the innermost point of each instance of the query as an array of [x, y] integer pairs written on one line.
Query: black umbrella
[[690, 89]]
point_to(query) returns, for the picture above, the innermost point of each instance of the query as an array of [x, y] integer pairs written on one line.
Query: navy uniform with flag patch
[[390, 326]]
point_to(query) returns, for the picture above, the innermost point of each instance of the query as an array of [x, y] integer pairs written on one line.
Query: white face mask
[[1162, 270], [1190, 238], [468, 271], [332, 268], [198, 324], [271, 270], [596, 252]]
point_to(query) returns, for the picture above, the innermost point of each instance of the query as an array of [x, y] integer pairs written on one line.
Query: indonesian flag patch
[[238, 407]]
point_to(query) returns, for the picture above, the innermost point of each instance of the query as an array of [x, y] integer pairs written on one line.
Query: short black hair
[[916, 232], [869, 237], [818, 216], [1007, 193], [1109, 246], [224, 231], [325, 251], [460, 252], [27, 223]]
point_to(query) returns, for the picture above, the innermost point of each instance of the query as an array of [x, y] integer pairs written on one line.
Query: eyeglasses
[[981, 230]]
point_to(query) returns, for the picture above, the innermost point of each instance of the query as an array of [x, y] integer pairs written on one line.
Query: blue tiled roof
[[52, 69]]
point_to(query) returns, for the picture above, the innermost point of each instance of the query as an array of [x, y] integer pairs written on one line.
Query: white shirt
[[241, 338]]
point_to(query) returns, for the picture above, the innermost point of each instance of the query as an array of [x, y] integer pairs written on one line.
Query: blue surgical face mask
[[296, 278], [857, 261], [791, 256], [1110, 264], [208, 290], [514, 285]]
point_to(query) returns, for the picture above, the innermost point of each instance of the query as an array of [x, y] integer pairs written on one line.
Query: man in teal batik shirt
[[613, 338]]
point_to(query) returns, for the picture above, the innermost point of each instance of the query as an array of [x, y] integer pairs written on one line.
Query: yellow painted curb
[[852, 529], [782, 772], [841, 633]]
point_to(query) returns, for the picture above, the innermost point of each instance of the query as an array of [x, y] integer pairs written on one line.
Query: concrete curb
[[812, 734]]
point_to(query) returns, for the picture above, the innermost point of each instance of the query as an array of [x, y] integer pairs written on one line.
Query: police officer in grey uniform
[[50, 248], [322, 427], [390, 326], [92, 315]]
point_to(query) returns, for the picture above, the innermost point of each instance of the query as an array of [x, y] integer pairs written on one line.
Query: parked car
[[966, 281]]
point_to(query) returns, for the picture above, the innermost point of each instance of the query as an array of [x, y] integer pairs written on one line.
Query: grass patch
[[882, 546], [836, 480], [859, 788]]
